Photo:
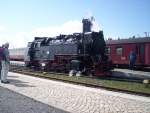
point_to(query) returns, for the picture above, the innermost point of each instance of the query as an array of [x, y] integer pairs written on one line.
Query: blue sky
[[21, 20]]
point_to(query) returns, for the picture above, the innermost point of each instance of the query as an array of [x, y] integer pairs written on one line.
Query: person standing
[[5, 64], [132, 59], [1, 56]]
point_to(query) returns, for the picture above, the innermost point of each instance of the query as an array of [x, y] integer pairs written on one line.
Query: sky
[[22, 20]]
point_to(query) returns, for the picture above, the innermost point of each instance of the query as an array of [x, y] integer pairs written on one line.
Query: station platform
[[26, 94], [126, 73]]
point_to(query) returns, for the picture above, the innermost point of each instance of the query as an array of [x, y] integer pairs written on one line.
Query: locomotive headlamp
[[43, 64]]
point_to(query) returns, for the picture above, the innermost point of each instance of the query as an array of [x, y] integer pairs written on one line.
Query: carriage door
[[142, 53]]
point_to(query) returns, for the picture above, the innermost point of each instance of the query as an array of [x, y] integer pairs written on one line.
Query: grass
[[130, 86]]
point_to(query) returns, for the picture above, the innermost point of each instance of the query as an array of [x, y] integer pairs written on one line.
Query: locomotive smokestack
[[87, 25]]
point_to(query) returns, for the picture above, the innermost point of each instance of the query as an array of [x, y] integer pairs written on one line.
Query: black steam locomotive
[[84, 52]]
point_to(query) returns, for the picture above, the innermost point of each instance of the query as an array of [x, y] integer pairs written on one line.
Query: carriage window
[[119, 50]]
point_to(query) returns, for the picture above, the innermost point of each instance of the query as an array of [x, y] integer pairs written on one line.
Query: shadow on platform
[[12, 102], [12, 76], [19, 83]]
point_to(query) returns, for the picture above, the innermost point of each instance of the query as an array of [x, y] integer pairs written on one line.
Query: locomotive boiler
[[58, 53]]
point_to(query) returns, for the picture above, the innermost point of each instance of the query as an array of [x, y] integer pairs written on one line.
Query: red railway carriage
[[119, 50]]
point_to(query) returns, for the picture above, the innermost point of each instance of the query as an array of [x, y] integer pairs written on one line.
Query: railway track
[[86, 81]]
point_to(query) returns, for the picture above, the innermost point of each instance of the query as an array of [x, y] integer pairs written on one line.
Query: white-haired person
[[5, 64]]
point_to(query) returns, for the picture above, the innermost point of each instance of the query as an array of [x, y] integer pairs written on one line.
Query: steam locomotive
[[84, 52]]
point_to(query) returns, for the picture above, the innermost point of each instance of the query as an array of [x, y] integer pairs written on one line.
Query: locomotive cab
[[36, 55]]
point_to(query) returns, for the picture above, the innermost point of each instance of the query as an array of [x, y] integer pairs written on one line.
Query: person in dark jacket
[[132, 59]]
